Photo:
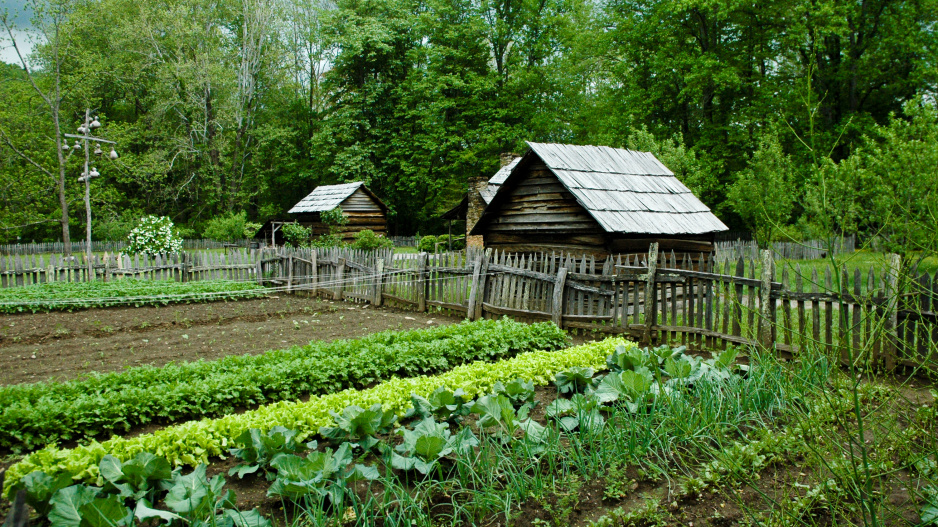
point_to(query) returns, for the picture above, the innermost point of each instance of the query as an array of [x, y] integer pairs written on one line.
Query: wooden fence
[[807, 250], [404, 241], [24, 270], [881, 316], [885, 317], [49, 248]]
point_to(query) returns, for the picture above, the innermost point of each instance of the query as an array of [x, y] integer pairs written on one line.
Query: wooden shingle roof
[[328, 197], [623, 190]]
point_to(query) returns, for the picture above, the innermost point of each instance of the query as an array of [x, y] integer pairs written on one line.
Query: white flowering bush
[[153, 235]]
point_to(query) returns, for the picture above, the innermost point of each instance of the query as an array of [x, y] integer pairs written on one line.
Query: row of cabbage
[[433, 436], [34, 415]]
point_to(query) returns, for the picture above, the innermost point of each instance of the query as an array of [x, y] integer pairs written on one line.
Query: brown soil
[[62, 345]]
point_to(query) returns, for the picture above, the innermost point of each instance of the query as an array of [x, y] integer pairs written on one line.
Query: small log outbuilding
[[593, 200], [362, 208]]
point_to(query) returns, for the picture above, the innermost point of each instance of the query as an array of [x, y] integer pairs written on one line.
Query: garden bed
[[64, 345]]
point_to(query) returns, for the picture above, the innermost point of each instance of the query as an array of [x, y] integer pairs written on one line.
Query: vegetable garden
[[481, 423]]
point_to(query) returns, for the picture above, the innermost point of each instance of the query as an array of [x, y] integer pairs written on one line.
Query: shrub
[[458, 242], [153, 235], [368, 240], [296, 234], [427, 244], [226, 228], [251, 228], [333, 219], [111, 226]]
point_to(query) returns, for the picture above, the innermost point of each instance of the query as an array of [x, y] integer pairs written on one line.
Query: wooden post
[[184, 267], [556, 305], [474, 291], [651, 295], [765, 299], [314, 273], [379, 272], [891, 307], [290, 273], [422, 282], [260, 268], [340, 271], [476, 309]]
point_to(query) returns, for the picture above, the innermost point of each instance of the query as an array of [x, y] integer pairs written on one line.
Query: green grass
[[68, 296]]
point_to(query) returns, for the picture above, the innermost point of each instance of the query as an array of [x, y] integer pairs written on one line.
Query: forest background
[[792, 118]]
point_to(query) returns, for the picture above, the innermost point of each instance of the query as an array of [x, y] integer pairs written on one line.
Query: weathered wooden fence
[[97, 246], [24, 270], [883, 316], [808, 250], [404, 241]]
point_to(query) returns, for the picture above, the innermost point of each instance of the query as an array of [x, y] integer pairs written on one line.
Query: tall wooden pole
[[87, 177]]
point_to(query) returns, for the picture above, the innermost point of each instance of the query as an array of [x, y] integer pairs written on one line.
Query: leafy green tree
[[763, 193], [897, 168], [227, 228]]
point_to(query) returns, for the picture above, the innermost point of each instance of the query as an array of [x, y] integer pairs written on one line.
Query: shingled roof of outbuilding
[[623, 190], [328, 197]]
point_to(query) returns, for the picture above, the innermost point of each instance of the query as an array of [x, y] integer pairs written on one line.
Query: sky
[[16, 11]]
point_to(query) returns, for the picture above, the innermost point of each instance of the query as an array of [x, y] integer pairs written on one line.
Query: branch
[[29, 74], [29, 224], [28, 159]]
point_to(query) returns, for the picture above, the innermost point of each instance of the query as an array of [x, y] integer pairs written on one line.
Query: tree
[[49, 82], [762, 194], [898, 167]]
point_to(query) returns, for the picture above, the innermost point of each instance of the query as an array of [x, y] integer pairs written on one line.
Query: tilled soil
[[65, 345]]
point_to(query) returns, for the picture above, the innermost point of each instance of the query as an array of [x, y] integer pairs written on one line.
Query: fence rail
[[885, 317]]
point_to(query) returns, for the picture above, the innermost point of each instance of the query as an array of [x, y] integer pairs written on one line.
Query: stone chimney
[[476, 204]]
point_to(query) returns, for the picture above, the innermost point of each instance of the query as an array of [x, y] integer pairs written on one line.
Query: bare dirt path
[[62, 345]]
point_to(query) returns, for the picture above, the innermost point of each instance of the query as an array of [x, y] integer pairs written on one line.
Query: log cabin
[[362, 208], [591, 200]]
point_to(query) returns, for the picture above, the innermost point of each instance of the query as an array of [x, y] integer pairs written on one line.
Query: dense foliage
[[68, 296], [34, 415], [249, 105]]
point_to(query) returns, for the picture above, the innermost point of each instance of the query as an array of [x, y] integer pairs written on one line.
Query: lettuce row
[[35, 415], [194, 442]]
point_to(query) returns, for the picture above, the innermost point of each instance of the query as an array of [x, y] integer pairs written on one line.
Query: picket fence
[[98, 246], [732, 250], [885, 317]]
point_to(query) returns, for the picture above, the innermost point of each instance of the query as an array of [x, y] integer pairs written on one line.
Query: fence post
[[475, 305], [651, 294], [765, 299], [556, 304], [891, 307], [379, 273], [290, 273], [184, 267], [260, 268], [422, 282], [474, 288], [314, 276], [340, 271]]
